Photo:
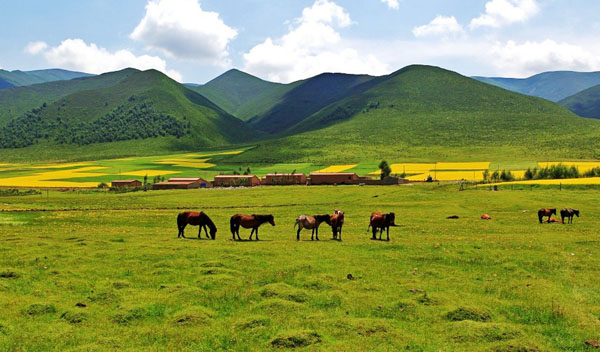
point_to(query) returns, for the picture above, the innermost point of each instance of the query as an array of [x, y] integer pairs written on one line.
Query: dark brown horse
[[196, 219], [568, 213], [545, 212], [311, 223], [382, 222], [249, 222], [337, 221]]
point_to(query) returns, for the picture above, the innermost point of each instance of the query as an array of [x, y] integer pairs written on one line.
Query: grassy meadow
[[92, 270]]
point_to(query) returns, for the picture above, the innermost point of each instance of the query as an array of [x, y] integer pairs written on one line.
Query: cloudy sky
[[286, 40]]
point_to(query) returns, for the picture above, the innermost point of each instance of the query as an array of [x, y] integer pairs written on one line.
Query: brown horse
[[568, 213], [311, 223], [382, 222], [337, 221], [546, 212], [249, 222], [196, 219]]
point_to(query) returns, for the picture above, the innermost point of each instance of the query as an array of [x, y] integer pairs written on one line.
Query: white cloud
[[499, 13], [529, 58], [75, 54], [312, 46], [35, 48], [393, 4], [439, 26], [180, 28]]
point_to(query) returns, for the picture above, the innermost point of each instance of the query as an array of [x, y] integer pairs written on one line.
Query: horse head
[[213, 233], [553, 211], [390, 219], [271, 220], [326, 218], [576, 212]]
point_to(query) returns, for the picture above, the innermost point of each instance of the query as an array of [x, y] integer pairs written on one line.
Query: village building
[[181, 183], [236, 181], [126, 183], [284, 179], [334, 178]]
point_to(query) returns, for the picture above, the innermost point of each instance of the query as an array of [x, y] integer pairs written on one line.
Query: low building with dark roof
[[236, 181], [126, 183]]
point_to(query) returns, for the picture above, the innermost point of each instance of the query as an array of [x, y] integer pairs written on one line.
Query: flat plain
[[93, 270]]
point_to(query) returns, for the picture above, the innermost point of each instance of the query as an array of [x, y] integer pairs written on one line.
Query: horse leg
[[340, 233], [257, 234], [380, 233], [312, 235], [298, 233], [181, 229], [206, 232], [317, 233], [251, 233], [374, 232], [237, 231], [388, 233]]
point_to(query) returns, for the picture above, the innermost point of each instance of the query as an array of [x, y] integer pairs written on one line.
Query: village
[[275, 179]]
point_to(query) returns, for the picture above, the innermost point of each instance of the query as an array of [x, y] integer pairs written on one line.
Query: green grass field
[[92, 270]]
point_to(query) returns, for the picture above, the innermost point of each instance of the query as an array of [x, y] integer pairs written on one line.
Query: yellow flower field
[[337, 168], [150, 173], [463, 166], [59, 166], [583, 166], [449, 176], [50, 178], [567, 181]]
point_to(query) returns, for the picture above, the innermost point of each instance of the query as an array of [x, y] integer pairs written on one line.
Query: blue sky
[[286, 40]]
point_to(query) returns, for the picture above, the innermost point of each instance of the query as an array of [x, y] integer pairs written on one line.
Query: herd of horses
[[567, 213], [377, 222]]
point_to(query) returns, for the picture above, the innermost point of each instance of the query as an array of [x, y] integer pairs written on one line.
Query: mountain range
[[24, 78], [416, 113]]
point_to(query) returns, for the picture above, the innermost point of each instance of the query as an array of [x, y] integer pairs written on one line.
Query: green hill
[[585, 103], [18, 100], [159, 113], [553, 86], [241, 94], [427, 113], [308, 97], [26, 78]]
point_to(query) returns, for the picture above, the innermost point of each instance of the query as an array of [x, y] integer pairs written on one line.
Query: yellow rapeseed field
[[58, 166], [567, 181], [449, 176], [337, 168], [51, 179], [150, 173], [463, 166], [583, 166]]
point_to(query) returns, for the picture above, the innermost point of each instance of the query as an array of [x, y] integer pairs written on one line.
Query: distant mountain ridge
[[585, 103], [554, 86], [25, 78]]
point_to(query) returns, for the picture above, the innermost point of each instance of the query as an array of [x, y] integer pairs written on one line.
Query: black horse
[[568, 213], [196, 219]]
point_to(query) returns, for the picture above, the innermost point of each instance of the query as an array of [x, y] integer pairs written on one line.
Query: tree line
[[122, 123]]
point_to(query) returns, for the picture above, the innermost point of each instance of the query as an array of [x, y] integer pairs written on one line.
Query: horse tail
[[368, 227], [180, 220], [232, 224]]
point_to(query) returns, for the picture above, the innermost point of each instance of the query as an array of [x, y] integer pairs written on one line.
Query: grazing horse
[[311, 223], [196, 219], [545, 212], [382, 222], [249, 222], [337, 221], [568, 213]]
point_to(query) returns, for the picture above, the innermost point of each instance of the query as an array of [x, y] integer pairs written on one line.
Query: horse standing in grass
[[568, 213], [382, 222], [545, 212], [196, 219], [249, 222], [311, 223], [337, 221]]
